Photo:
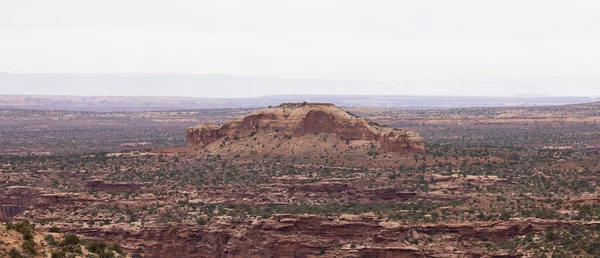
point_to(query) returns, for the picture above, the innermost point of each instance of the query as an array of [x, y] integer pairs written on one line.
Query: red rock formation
[[202, 134], [395, 141], [308, 236], [14, 200], [304, 119]]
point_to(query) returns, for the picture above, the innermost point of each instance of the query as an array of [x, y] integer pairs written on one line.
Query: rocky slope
[[284, 235], [297, 120]]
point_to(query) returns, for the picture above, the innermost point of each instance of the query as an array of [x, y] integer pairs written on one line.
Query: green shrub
[[50, 239], [58, 254], [23, 227], [116, 247], [103, 250], [96, 247], [27, 235], [201, 221], [70, 240], [28, 246], [14, 253]]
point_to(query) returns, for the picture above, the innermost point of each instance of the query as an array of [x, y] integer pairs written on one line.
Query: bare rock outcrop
[[395, 140], [304, 235], [202, 134], [300, 119], [14, 200]]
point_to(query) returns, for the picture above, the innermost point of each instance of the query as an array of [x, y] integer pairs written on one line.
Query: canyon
[[302, 180]]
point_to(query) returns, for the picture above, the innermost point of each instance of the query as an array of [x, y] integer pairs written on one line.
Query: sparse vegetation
[[518, 176]]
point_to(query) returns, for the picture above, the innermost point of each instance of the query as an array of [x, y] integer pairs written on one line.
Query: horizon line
[[309, 95]]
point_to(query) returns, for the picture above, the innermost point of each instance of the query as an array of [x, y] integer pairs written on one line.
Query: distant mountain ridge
[[100, 92], [115, 103], [245, 86]]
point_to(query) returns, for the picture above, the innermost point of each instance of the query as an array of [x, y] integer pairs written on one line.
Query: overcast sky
[[458, 41]]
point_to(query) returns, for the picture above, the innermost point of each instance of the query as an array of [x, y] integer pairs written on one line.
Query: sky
[[522, 46]]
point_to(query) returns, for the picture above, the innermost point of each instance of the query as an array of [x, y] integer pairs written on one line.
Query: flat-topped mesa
[[299, 119], [302, 104]]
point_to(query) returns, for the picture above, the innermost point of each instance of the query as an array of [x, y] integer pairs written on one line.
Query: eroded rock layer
[[300, 119]]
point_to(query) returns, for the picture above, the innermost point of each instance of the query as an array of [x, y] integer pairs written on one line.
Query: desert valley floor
[[490, 182]]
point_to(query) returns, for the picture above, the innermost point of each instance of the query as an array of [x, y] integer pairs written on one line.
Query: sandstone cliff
[[302, 119]]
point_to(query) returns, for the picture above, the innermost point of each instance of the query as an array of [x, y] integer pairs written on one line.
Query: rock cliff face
[[300, 119], [400, 140], [14, 200], [202, 134], [284, 235]]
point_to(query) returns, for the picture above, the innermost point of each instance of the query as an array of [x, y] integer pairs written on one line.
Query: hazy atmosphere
[[299, 128], [253, 48]]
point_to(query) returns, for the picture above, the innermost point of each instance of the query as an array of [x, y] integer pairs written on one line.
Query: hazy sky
[[395, 40]]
